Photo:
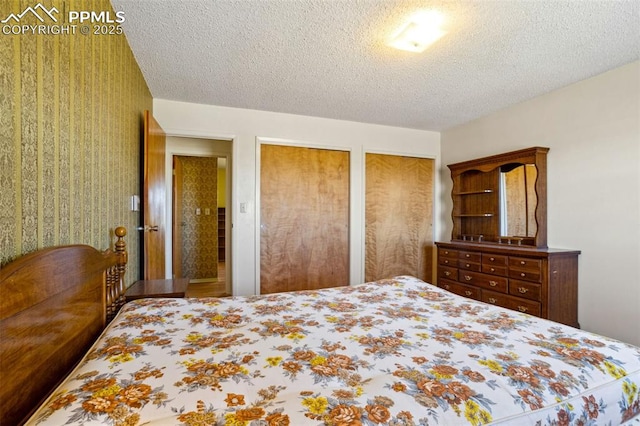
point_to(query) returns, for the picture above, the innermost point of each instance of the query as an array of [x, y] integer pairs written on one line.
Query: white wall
[[593, 130], [246, 128]]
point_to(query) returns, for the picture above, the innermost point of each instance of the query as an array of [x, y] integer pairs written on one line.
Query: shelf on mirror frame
[[473, 238], [525, 242], [481, 191]]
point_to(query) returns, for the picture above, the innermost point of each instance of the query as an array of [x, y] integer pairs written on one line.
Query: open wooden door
[[154, 199]]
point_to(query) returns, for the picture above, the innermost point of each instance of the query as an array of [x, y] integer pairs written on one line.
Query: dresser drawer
[[447, 253], [525, 289], [522, 268], [448, 261], [470, 256], [461, 289], [534, 276], [495, 270], [494, 259], [447, 273], [469, 266], [483, 280], [525, 263], [510, 302]]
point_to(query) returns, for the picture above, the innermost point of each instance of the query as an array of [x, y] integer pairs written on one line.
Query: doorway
[[195, 218], [200, 214]]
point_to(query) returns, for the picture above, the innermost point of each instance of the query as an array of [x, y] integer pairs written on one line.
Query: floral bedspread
[[393, 352]]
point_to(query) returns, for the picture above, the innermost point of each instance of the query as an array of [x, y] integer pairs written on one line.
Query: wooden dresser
[[498, 251], [540, 282]]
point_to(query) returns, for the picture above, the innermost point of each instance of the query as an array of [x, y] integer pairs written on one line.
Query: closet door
[[304, 215], [398, 216]]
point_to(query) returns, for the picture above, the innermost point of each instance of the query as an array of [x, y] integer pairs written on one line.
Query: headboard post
[[123, 258], [114, 280]]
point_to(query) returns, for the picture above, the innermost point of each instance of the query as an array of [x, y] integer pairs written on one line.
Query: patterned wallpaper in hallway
[[70, 125], [200, 232]]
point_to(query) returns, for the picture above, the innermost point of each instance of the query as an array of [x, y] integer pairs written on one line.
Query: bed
[[397, 351], [54, 303]]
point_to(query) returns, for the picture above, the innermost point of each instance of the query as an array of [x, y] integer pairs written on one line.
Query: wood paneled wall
[[69, 137]]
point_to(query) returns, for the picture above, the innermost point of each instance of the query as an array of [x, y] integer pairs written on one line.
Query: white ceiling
[[328, 58]]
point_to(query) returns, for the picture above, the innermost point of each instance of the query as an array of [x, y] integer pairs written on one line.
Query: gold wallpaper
[[70, 127], [200, 231]]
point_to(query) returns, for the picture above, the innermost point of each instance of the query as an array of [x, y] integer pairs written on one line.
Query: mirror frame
[[536, 156]]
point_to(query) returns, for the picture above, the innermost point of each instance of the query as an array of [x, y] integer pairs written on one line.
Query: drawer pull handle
[[446, 252], [468, 278], [523, 290], [446, 262], [467, 265], [493, 269], [446, 286], [493, 283], [492, 300], [492, 259], [522, 262], [522, 308], [467, 255], [523, 274], [468, 293], [447, 273]]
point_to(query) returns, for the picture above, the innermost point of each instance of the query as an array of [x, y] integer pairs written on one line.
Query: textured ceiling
[[328, 58]]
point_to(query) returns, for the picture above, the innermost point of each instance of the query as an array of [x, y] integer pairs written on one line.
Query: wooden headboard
[[53, 304]]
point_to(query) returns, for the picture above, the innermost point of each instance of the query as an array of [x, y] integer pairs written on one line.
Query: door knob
[[148, 228]]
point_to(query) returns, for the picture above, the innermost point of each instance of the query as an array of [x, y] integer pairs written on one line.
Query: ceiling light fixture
[[419, 32]]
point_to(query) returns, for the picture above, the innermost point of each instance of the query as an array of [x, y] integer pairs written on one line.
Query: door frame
[[229, 198], [176, 236]]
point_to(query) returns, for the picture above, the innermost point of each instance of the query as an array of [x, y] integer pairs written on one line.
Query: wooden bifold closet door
[[398, 216], [304, 218]]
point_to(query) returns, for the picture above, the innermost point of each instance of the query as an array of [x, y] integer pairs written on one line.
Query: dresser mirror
[[518, 200], [501, 199]]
